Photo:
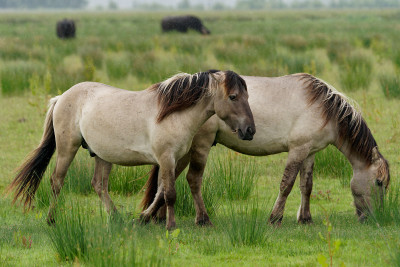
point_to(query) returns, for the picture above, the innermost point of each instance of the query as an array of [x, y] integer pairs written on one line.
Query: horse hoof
[[362, 218], [275, 220], [305, 220], [204, 222], [143, 219], [171, 226]]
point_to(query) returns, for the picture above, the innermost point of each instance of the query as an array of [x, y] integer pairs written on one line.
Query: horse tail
[[30, 173], [151, 188]]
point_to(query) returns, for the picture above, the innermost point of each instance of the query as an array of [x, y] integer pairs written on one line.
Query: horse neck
[[198, 114], [357, 162]]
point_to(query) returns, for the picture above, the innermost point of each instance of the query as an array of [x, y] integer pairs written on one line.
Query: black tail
[[30, 173], [151, 188]]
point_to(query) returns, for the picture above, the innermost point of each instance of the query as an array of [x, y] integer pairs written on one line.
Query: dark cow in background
[[182, 24], [66, 29]]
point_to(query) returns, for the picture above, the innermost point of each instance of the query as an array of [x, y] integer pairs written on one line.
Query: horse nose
[[249, 133]]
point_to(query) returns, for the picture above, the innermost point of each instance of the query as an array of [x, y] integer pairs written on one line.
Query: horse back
[[283, 117], [114, 123]]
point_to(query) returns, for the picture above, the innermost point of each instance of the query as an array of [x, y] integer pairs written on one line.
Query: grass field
[[355, 51]]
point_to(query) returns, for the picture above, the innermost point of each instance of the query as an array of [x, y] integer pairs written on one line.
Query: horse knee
[[170, 196]]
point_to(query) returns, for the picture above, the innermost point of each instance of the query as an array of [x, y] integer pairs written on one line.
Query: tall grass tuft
[[80, 235], [390, 84], [118, 65], [247, 225], [386, 211], [128, 180], [15, 75], [79, 176], [235, 175], [356, 71], [339, 50], [184, 205], [70, 235], [330, 162], [395, 255]]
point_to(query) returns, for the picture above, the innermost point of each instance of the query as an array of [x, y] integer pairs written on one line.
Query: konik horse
[[154, 126], [299, 114]]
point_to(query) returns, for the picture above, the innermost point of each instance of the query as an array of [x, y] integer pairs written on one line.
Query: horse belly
[[126, 156], [259, 146]]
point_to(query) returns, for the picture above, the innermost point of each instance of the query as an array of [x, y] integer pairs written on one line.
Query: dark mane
[[184, 90], [352, 128]]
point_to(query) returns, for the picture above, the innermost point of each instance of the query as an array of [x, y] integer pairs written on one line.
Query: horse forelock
[[336, 107], [231, 81], [182, 91]]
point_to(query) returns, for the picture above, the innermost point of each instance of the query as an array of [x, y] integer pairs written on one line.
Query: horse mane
[[337, 107], [183, 90]]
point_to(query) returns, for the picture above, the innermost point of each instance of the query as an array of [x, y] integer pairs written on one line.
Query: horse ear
[[375, 154], [216, 76]]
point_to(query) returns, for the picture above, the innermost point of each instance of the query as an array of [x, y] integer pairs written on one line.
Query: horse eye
[[232, 97]]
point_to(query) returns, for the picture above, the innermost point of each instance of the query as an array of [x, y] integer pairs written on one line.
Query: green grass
[[356, 70], [348, 49], [390, 84]]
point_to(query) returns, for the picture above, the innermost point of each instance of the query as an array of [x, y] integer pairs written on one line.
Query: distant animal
[[155, 126], [299, 114], [66, 29], [182, 24]]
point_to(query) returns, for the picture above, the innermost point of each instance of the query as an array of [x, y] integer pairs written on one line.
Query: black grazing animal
[[182, 24], [66, 29]]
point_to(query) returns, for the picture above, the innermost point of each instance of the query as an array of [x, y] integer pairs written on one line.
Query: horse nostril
[[250, 130]]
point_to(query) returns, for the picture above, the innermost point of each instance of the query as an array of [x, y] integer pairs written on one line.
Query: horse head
[[231, 104], [377, 176]]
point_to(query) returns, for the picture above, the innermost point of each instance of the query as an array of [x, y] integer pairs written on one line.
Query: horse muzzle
[[247, 134]]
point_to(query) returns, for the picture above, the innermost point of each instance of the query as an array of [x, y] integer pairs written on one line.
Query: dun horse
[[154, 126], [299, 114]]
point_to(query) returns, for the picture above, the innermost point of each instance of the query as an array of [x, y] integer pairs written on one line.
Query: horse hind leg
[[293, 164], [194, 178], [306, 184], [64, 159], [100, 183]]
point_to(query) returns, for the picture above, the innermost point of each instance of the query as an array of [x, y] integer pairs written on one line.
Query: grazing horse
[[155, 126], [65, 29], [299, 114], [182, 24]]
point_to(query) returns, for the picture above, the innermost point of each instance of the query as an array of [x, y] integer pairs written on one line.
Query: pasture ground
[[352, 50]]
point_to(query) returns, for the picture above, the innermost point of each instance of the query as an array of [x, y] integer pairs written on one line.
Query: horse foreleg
[[167, 174], [293, 164], [160, 213], [64, 159], [306, 184], [102, 171]]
